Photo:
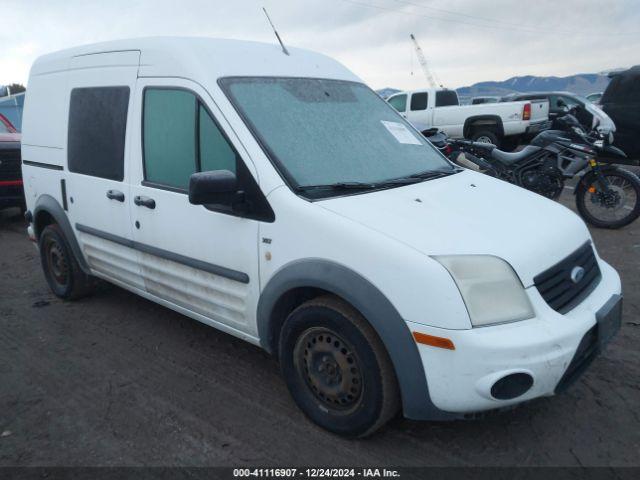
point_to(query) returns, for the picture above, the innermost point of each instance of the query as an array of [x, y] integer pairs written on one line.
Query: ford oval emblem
[[577, 274]]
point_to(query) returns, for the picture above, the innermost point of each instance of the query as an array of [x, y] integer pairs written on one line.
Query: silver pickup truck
[[490, 122]]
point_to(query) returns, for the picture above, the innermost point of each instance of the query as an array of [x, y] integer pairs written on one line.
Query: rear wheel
[[486, 136], [61, 269], [616, 207], [337, 368]]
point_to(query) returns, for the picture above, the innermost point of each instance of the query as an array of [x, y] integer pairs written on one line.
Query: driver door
[[201, 262]]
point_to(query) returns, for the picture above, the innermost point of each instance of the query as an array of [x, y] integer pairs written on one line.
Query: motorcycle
[[606, 195]]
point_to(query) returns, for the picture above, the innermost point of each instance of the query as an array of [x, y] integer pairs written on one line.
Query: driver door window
[[177, 142], [169, 129], [215, 152]]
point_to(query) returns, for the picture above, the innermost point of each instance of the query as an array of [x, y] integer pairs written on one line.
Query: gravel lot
[[117, 380]]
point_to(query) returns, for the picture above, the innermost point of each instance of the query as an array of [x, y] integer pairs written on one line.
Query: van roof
[[201, 57]]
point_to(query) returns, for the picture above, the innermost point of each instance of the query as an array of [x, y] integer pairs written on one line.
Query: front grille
[[558, 289], [10, 164]]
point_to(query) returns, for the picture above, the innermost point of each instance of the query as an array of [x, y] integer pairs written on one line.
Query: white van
[[279, 199]]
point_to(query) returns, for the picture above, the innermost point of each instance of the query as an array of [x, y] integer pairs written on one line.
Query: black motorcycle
[[607, 196]]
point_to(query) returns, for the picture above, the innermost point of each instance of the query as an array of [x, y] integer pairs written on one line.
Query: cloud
[[478, 41]]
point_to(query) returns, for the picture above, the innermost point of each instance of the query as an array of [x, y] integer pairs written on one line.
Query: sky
[[464, 41]]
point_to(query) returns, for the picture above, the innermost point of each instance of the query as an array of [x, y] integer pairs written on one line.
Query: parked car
[[587, 113], [277, 198], [11, 108], [594, 97], [489, 123], [481, 100], [621, 101], [11, 193]]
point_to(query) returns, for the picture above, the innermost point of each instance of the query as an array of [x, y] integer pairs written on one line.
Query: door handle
[[115, 195], [144, 202]]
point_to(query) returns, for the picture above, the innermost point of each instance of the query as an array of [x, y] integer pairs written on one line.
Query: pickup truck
[[11, 192], [495, 123]]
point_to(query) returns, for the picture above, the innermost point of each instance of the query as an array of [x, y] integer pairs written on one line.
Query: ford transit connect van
[[277, 198]]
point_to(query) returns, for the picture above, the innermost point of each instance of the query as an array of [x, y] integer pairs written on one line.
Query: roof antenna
[[284, 49]]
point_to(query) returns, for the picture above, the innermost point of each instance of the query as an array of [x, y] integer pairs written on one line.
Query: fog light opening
[[511, 386]]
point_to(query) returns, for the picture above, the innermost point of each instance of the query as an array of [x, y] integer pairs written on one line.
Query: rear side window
[[419, 101], [399, 102], [97, 128], [446, 98], [180, 138]]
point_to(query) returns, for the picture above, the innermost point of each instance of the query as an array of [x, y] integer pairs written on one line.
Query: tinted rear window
[[97, 127], [446, 98]]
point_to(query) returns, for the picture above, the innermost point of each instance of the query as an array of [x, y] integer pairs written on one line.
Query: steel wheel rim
[[330, 368], [57, 263], [618, 206], [484, 139]]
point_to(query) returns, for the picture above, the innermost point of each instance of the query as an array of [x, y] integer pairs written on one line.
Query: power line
[[456, 21], [492, 27], [460, 14]]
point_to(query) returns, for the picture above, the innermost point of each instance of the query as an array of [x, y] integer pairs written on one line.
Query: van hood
[[470, 213]]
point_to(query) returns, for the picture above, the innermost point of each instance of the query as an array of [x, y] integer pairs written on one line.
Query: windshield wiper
[[429, 174], [358, 185], [409, 179]]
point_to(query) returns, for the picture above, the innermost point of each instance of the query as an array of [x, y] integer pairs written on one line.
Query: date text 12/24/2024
[[315, 473]]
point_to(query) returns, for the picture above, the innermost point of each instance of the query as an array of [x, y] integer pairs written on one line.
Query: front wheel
[[615, 207], [61, 269], [337, 368]]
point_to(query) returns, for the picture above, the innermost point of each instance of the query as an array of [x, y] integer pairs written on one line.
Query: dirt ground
[[117, 380]]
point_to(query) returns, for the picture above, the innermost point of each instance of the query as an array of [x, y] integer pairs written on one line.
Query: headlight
[[490, 288]]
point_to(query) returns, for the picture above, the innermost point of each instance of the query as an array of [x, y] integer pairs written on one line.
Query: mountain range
[[582, 84]]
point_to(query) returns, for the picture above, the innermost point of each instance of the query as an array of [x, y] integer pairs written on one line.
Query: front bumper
[[11, 194], [460, 381]]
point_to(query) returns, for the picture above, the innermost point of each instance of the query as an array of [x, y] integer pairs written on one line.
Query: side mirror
[[219, 187]]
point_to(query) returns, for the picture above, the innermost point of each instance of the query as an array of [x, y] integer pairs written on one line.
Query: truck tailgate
[[539, 110]]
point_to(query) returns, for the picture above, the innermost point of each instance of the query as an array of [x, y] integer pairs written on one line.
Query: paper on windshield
[[401, 133]]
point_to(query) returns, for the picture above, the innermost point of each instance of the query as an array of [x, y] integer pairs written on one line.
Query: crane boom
[[423, 62]]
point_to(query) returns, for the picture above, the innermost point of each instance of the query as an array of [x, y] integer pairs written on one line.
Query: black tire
[[486, 136], [583, 195], [61, 270], [337, 369]]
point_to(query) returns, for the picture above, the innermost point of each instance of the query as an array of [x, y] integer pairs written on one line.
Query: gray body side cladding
[[50, 205], [376, 308]]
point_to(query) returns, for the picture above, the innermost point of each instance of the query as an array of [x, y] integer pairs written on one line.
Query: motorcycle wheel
[[614, 209]]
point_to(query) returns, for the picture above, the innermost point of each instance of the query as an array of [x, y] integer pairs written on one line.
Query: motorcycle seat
[[509, 158]]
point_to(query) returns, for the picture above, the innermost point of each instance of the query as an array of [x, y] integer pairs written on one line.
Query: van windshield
[[328, 133]]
